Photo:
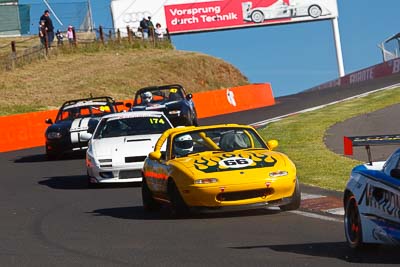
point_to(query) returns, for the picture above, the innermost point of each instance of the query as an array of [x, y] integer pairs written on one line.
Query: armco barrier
[[26, 130], [384, 69]]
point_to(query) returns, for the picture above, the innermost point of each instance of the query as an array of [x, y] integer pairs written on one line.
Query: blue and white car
[[120, 144], [372, 196]]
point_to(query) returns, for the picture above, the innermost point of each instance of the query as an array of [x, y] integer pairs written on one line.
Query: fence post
[[13, 54], [118, 36], [101, 34], [128, 30], [109, 35], [168, 36], [74, 36]]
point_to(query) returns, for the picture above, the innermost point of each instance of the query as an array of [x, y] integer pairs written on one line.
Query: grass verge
[[301, 137]]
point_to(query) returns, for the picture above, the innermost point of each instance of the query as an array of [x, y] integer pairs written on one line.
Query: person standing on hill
[[49, 26], [145, 28]]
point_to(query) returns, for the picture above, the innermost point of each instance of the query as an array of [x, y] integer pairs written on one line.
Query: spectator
[[70, 35], [49, 26], [42, 33], [150, 26], [145, 28], [60, 37], [159, 31]]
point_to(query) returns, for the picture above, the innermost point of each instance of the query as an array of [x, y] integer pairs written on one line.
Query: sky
[[293, 57]]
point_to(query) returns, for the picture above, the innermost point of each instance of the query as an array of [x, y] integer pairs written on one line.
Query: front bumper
[[117, 174], [259, 205], [240, 196]]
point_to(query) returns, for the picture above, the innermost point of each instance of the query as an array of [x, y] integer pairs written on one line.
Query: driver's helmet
[[147, 97], [183, 145]]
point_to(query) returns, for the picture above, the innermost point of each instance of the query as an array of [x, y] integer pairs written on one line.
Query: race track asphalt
[[50, 218]]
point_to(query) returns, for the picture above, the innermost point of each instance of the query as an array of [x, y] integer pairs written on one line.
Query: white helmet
[[183, 145], [147, 97]]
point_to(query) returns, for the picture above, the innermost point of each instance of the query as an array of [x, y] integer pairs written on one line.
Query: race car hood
[[118, 148], [220, 163], [77, 125]]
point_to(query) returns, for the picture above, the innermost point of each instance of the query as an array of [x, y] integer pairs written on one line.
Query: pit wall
[[27, 130]]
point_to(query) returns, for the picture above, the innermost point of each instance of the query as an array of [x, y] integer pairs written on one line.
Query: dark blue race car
[[372, 195], [73, 118], [171, 99]]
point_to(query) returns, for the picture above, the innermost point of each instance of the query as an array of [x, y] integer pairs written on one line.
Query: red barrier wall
[[234, 99], [27, 130]]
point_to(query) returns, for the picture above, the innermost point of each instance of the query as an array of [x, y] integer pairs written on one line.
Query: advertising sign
[[181, 16]]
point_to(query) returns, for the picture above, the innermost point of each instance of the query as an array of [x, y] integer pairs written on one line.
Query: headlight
[[54, 135], [278, 173], [174, 112], [206, 181]]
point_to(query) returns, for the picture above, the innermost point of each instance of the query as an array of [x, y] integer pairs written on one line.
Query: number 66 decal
[[235, 162]]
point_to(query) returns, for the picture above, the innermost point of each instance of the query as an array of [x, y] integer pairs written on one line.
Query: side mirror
[[272, 144], [155, 155], [189, 96], [395, 173], [86, 136], [49, 121]]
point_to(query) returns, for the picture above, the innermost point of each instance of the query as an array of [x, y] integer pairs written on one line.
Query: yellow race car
[[216, 168]]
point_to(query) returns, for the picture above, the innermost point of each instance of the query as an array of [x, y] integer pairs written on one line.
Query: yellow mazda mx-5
[[215, 168]]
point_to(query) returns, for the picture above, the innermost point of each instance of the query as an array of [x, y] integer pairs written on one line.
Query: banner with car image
[[182, 16]]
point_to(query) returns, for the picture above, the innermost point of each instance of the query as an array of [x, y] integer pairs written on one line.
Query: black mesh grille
[[241, 195], [130, 174], [135, 159]]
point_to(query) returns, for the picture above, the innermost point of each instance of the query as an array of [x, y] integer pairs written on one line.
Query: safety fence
[[22, 51], [27, 130]]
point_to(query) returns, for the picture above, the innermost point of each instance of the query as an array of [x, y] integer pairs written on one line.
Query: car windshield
[[71, 113], [116, 127], [159, 96], [216, 139]]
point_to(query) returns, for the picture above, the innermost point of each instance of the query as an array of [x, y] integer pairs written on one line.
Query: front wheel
[[149, 204], [295, 201], [178, 206], [352, 223], [257, 16]]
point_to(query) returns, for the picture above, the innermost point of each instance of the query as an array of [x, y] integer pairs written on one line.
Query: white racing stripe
[[78, 126]]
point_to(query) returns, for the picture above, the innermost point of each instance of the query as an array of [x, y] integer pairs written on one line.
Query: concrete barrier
[[27, 130]]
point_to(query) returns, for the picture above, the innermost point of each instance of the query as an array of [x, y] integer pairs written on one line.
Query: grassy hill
[[117, 72]]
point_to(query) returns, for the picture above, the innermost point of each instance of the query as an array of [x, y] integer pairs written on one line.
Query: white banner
[[181, 16]]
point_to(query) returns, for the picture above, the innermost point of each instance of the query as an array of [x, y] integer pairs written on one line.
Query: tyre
[[178, 206], [295, 201], [352, 223], [314, 11], [149, 204], [51, 155], [257, 16], [88, 182]]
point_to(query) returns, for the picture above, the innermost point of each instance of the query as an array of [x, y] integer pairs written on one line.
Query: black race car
[[73, 118], [170, 99]]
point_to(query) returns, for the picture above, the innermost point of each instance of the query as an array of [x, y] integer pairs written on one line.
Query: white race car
[[281, 9], [372, 196], [120, 144]]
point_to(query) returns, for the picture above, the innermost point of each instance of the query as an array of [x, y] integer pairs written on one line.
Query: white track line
[[316, 216]]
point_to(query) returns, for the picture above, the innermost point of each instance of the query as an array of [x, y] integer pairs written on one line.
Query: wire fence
[[20, 52]]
